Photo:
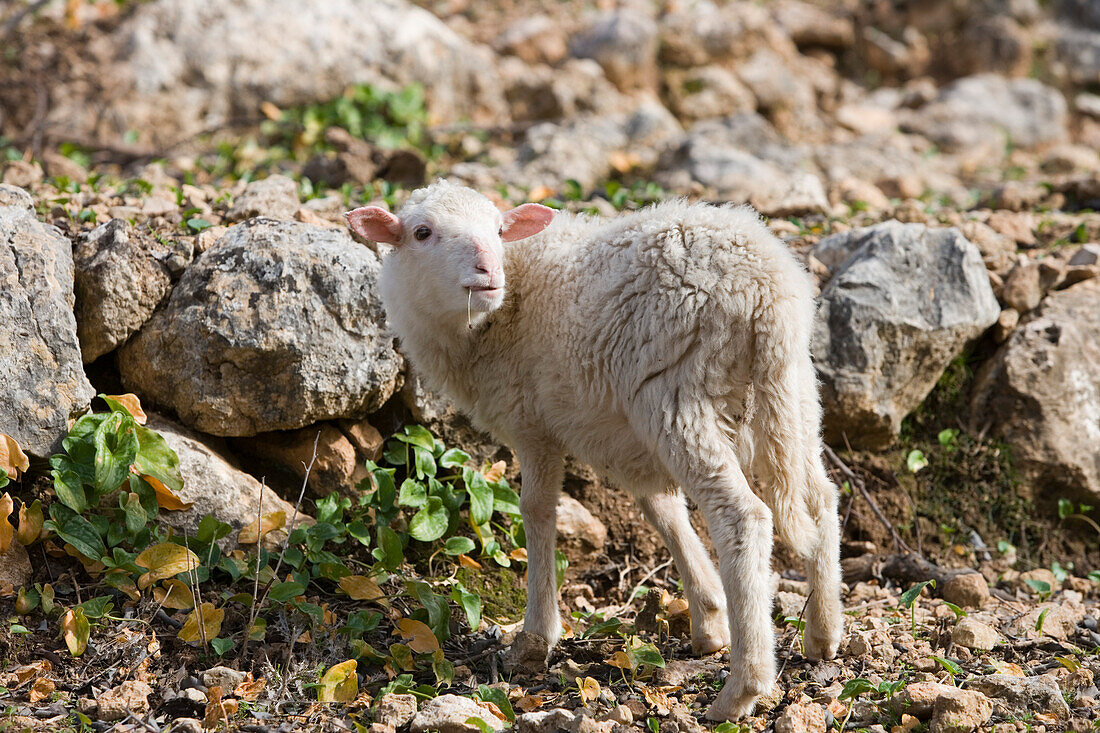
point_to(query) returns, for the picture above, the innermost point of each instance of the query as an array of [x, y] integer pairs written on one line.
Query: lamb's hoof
[[711, 636], [734, 703], [820, 647], [527, 654]]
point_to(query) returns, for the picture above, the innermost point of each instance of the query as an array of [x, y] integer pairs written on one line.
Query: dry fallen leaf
[[254, 532], [174, 594], [43, 687], [658, 699], [495, 472], [361, 588], [418, 635], [270, 111], [589, 689], [28, 672], [530, 703], [619, 659], [7, 532], [520, 554], [538, 193], [469, 563], [30, 523], [132, 404], [339, 683], [908, 723], [250, 689], [12, 458], [164, 561], [211, 624], [166, 498]]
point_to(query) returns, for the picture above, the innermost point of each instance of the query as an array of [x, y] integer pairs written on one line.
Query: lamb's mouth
[[485, 289]]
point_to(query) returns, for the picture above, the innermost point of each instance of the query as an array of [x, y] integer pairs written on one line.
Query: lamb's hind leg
[[668, 513], [824, 614]]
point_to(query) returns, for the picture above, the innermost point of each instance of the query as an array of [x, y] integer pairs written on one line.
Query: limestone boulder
[[899, 307], [1041, 393], [275, 327], [41, 368]]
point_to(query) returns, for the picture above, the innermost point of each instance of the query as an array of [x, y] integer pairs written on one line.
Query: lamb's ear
[[526, 220], [376, 224]]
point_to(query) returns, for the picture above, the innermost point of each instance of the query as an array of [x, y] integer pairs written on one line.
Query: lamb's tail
[[785, 417]]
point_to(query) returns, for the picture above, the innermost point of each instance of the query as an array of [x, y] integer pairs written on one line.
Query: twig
[[798, 632], [639, 584], [899, 543], [297, 504]]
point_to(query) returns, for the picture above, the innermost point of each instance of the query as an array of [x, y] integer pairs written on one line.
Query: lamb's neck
[[441, 351]]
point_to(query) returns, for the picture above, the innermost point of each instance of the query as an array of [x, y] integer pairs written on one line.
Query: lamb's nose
[[482, 267]]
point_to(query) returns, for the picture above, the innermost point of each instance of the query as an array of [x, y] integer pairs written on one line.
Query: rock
[[121, 278], [1019, 226], [333, 465], [788, 604], [186, 725], [706, 92], [859, 194], [184, 65], [811, 26], [989, 110], [960, 711], [919, 698], [1087, 254], [44, 382], [1017, 696], [1058, 621], [283, 328], [994, 44], [131, 696], [624, 43], [786, 95], [449, 713], [577, 527], [396, 710], [677, 672], [890, 320], [975, 635], [1006, 323], [967, 590], [620, 714], [364, 437], [535, 39], [1021, 290], [527, 654], [224, 677], [216, 487], [1041, 390], [22, 173], [800, 194], [704, 33], [1078, 55], [275, 196], [381, 728], [15, 567], [801, 717], [545, 721], [998, 251], [680, 720]]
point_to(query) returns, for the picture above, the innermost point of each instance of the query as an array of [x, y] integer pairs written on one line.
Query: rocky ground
[[171, 210]]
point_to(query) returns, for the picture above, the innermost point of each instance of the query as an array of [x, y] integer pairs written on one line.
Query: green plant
[[908, 600]]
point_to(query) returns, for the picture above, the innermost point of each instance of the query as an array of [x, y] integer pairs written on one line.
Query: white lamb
[[667, 348]]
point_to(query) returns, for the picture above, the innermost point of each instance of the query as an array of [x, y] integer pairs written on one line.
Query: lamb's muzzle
[[669, 349]]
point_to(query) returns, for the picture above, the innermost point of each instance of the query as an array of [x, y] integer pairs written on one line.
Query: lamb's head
[[451, 239]]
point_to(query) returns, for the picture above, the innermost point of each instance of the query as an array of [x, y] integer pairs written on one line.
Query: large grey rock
[[217, 487], [178, 66], [276, 326], [120, 280], [40, 366], [275, 196], [897, 310], [1078, 53], [1041, 393], [624, 43], [977, 110], [449, 713]]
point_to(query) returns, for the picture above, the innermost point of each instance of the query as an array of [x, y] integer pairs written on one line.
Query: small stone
[[186, 725], [223, 677], [579, 527], [194, 695], [22, 173], [131, 696], [1039, 575], [1022, 290], [275, 196], [396, 710], [1018, 226], [973, 634], [969, 590], [544, 721], [527, 654], [806, 717], [918, 698], [449, 713], [620, 714], [1002, 329], [960, 711], [1088, 254], [15, 566], [1017, 696], [381, 728]]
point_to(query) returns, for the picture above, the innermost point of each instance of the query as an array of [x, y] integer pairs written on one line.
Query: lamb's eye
[[501, 232], [422, 233]]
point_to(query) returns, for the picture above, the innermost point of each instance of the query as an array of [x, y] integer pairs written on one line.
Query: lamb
[[669, 349]]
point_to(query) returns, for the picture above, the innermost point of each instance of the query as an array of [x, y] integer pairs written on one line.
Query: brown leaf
[[530, 703], [166, 498], [418, 635], [250, 689], [12, 458], [43, 687], [215, 712], [174, 594], [30, 523], [7, 532], [469, 563], [361, 588], [132, 404], [538, 193], [164, 561], [589, 689], [211, 619], [254, 532], [495, 472]]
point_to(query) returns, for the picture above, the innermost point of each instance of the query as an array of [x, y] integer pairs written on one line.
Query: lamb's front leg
[[541, 478]]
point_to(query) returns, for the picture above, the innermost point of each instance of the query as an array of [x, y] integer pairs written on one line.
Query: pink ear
[[526, 220], [376, 224]]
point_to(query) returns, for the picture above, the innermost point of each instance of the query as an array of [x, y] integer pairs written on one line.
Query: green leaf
[[1065, 508], [1039, 586], [947, 437], [561, 564], [915, 461], [952, 667], [645, 653], [419, 436], [454, 458], [211, 529], [116, 447], [959, 613], [855, 688], [412, 493], [480, 724], [3, 478], [77, 531], [133, 512], [505, 500], [458, 545], [70, 490], [430, 523], [909, 596], [221, 646], [1041, 620], [97, 607], [155, 458], [198, 224], [286, 590], [481, 496], [499, 698], [439, 613], [470, 603], [424, 462], [391, 549]]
